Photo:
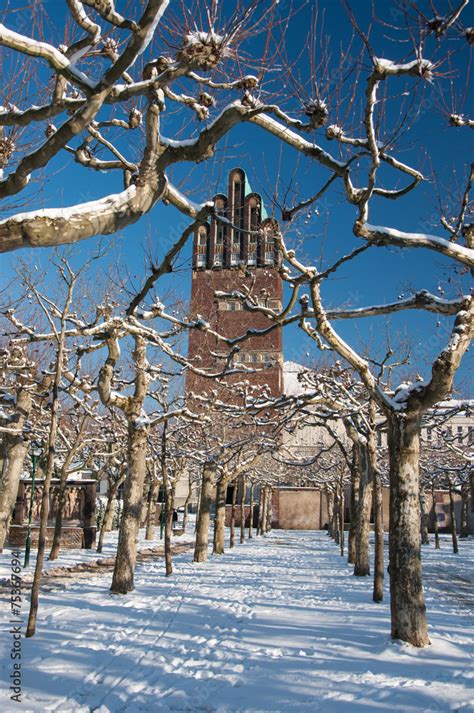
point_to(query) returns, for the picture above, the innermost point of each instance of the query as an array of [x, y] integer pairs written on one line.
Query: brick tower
[[225, 259]]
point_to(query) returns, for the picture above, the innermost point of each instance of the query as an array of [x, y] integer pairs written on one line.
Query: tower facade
[[227, 257]]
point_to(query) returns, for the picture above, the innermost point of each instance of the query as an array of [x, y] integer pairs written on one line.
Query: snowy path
[[279, 624]]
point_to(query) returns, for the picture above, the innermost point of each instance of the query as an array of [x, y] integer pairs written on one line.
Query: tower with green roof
[[228, 256]]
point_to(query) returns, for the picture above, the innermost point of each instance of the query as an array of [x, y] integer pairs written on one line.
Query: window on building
[[269, 257], [234, 306], [200, 260], [218, 260], [229, 494], [252, 358], [470, 435], [460, 433], [429, 434], [379, 439], [202, 239], [220, 227], [274, 304], [234, 259], [252, 258], [254, 217]]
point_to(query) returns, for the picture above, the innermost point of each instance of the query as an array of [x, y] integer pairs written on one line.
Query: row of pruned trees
[[124, 418], [115, 78], [104, 392]]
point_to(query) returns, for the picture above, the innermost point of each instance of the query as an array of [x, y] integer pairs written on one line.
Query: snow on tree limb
[[380, 235]]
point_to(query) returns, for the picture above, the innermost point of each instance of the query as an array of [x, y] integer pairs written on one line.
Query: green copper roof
[[248, 190]]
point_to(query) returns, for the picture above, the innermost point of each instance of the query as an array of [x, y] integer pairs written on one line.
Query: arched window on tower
[[236, 194], [201, 247], [252, 223], [268, 242], [220, 234]]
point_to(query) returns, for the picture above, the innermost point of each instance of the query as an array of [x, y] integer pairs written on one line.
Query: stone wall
[[79, 526]]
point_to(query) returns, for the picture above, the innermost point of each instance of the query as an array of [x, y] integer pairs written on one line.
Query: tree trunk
[[452, 514], [264, 510], [341, 520], [186, 506], [362, 558], [232, 516], [355, 484], [435, 518], [330, 506], [168, 502], [169, 507], [251, 509], [219, 522], [379, 565], [44, 512], [58, 524], [261, 507], [53, 429], [335, 519], [204, 515], [107, 522], [407, 602], [198, 507], [151, 509], [268, 513], [123, 577], [377, 500], [242, 510], [464, 518], [425, 514], [14, 450]]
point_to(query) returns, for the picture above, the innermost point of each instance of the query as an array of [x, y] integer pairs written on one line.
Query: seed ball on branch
[[206, 100], [110, 48], [317, 112], [334, 132], [135, 118], [456, 120], [201, 50], [50, 130], [470, 35], [435, 24], [468, 231], [249, 82], [7, 148]]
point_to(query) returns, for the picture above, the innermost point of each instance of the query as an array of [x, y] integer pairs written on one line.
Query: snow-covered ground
[[70, 558], [277, 624]]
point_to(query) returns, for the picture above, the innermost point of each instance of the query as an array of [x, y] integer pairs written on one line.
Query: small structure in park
[[79, 524]]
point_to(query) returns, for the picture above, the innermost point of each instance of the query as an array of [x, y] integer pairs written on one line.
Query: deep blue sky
[[380, 275]]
